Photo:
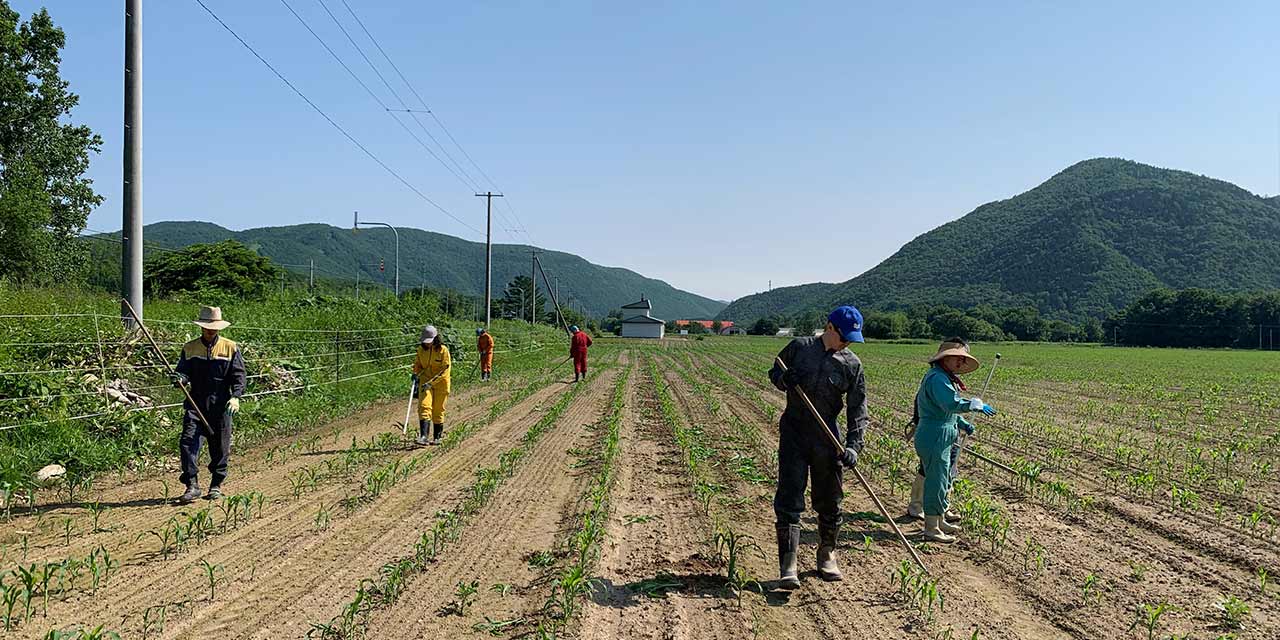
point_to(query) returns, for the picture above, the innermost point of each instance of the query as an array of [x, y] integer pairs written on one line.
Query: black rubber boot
[[422, 432], [827, 567], [788, 544], [438, 434]]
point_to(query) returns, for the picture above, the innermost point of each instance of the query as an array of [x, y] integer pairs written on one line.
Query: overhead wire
[[470, 182], [333, 122], [390, 113], [520, 223]]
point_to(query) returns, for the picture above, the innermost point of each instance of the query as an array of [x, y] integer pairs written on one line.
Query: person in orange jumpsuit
[[484, 346], [578, 344]]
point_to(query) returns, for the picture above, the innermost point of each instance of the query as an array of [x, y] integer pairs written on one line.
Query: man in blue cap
[[831, 375]]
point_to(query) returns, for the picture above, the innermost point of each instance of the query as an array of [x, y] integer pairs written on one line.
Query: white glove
[[233, 406], [976, 404]]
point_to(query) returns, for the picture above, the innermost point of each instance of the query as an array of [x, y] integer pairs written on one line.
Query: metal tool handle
[[861, 480], [172, 372], [408, 410]]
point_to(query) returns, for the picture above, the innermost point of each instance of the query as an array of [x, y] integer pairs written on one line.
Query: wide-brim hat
[[960, 349], [429, 333], [211, 318]]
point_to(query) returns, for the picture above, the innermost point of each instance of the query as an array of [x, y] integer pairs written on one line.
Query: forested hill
[[1085, 243], [441, 261]]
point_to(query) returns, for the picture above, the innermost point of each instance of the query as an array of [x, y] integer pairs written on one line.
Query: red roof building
[[724, 324]]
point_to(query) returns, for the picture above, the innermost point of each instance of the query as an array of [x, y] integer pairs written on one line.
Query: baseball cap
[[848, 322]]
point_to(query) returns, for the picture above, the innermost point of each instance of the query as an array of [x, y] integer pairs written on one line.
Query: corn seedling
[[68, 526], [97, 509], [1089, 593], [1232, 612], [210, 574], [501, 588], [322, 517], [153, 619], [1262, 580], [1148, 617], [463, 595]]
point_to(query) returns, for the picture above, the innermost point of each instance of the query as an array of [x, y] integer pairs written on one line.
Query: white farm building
[[641, 325]]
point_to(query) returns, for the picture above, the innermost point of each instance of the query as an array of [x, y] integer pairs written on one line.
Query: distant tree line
[[1198, 318], [979, 323]]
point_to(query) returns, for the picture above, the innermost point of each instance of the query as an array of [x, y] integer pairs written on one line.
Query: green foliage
[[443, 262], [1090, 240], [764, 327], [1196, 318], [44, 196], [226, 267]]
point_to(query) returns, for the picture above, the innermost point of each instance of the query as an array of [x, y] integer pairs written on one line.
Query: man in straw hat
[[831, 375], [938, 407], [431, 365], [212, 368]]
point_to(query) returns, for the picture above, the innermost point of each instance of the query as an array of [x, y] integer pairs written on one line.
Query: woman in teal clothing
[[939, 406]]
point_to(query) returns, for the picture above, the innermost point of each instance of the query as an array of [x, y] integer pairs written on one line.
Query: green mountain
[[436, 260], [1087, 242]]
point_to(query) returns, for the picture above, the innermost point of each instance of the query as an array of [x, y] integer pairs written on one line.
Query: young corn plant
[[211, 572], [1232, 612], [1148, 616]]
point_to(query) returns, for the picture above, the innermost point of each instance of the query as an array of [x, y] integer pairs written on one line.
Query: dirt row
[[1136, 554], [282, 570]]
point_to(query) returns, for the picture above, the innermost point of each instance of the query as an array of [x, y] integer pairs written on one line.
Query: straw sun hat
[[211, 318], [951, 348]]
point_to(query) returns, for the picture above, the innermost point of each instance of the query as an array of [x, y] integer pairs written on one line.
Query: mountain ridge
[[439, 261], [1084, 243]]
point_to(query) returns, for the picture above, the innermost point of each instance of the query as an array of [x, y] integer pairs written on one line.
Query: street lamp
[[356, 225]]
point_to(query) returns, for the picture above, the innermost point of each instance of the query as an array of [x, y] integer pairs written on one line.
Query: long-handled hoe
[[208, 429], [404, 428], [955, 468], [408, 408], [826, 430]]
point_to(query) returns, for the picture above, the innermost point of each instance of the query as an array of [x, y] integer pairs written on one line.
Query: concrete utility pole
[[131, 226], [533, 295], [311, 282], [488, 254]]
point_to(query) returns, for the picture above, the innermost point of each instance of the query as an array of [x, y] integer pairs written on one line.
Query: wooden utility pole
[[488, 254]]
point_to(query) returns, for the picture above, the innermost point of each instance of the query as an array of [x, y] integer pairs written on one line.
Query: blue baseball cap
[[480, 331], [848, 323], [573, 329]]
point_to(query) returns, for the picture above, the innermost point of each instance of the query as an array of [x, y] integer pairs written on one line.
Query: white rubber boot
[[947, 527], [915, 510], [933, 531]]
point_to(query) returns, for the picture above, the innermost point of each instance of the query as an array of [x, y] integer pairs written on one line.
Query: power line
[[433, 115], [469, 182], [331, 121], [373, 95]]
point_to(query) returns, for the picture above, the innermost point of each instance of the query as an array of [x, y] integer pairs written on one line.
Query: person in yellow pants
[[431, 366]]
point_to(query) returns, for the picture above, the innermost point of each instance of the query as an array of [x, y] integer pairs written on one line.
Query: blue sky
[[717, 145]]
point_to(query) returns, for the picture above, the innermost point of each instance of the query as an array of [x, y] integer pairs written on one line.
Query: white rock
[[50, 475]]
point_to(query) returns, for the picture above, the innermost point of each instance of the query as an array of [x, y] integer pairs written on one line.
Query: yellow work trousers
[[431, 404]]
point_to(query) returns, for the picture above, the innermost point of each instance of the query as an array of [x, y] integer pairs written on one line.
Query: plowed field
[[637, 504]]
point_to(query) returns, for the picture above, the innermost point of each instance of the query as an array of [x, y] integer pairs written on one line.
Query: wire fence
[[117, 375]]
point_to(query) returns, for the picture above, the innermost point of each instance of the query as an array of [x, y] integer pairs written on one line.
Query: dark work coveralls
[[830, 379], [217, 375]]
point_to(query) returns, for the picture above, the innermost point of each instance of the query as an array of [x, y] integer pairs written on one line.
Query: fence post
[[337, 357]]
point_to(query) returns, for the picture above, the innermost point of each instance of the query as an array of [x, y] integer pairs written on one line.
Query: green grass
[[287, 341]]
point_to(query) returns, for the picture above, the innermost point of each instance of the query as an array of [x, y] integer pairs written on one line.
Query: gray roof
[[643, 304], [643, 320]]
